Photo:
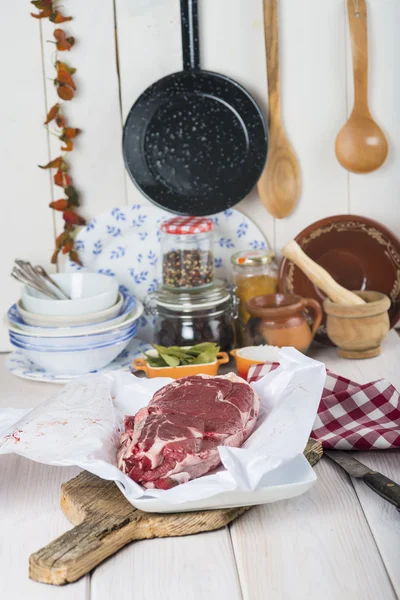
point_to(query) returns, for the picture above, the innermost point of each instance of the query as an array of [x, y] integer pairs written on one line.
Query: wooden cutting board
[[105, 522]]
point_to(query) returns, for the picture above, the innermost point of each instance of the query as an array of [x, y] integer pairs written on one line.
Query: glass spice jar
[[188, 318], [255, 273], [187, 252]]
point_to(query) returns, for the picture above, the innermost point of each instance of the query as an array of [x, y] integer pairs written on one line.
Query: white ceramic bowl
[[134, 310], [90, 293], [73, 321], [77, 362]]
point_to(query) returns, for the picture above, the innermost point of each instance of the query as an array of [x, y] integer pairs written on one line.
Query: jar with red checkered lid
[[187, 252]]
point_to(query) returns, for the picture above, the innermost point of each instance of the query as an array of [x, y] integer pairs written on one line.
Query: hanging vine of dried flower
[[66, 88]]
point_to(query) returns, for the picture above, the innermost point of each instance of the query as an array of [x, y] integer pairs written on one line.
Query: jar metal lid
[[187, 225], [215, 294], [252, 258]]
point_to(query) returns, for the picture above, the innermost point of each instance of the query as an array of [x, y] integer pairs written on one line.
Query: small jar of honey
[[255, 273]]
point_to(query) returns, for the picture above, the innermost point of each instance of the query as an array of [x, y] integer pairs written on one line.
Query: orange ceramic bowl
[[141, 364], [253, 355], [243, 364]]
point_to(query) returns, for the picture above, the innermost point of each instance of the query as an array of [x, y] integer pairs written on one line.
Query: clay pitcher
[[279, 320]]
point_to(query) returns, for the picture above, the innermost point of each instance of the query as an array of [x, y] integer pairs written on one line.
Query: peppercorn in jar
[[187, 255]]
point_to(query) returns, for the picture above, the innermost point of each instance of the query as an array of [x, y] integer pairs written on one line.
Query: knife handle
[[385, 487]]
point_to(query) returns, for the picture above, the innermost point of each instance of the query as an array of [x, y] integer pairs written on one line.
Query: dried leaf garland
[[62, 41], [71, 217], [66, 88], [61, 204], [60, 121], [64, 82], [53, 164], [47, 11], [72, 195], [65, 78], [69, 145], [61, 66], [64, 91], [69, 244], [68, 134], [62, 179], [52, 114]]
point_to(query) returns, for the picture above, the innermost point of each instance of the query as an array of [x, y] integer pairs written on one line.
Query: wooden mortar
[[356, 322], [358, 330]]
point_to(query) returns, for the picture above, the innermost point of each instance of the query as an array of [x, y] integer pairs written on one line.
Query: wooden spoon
[[279, 184], [319, 276], [361, 145]]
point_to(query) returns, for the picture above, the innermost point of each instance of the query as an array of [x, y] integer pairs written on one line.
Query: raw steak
[[176, 437]]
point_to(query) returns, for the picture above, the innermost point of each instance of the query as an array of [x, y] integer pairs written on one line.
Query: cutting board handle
[[79, 550], [319, 276], [105, 522]]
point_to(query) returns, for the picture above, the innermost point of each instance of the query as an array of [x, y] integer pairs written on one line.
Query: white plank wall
[[96, 162], [314, 107], [26, 222], [316, 85]]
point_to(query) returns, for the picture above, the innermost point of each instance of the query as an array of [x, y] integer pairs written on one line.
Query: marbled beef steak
[[175, 438]]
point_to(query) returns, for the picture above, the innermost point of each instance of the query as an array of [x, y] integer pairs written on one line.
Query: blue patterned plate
[[125, 243], [20, 366]]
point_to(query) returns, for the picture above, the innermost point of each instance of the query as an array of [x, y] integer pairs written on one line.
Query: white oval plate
[[125, 243], [293, 478]]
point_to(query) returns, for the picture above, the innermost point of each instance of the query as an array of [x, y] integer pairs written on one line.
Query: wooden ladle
[[279, 184], [361, 145]]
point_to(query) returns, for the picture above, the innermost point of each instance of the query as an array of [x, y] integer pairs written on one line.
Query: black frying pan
[[195, 142]]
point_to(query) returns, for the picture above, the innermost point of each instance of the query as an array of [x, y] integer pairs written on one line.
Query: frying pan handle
[[190, 35]]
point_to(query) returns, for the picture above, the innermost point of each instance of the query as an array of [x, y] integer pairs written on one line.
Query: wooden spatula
[[279, 184]]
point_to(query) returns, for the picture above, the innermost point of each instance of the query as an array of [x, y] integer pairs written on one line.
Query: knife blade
[[382, 485]]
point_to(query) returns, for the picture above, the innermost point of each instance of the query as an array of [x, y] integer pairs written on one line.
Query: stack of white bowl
[[77, 336]]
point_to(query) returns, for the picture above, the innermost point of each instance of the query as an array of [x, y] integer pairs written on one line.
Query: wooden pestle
[[319, 276]]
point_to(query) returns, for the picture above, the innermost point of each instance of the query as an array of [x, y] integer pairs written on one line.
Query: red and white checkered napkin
[[352, 416]]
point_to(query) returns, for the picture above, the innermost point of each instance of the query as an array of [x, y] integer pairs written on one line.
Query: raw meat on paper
[[176, 437]]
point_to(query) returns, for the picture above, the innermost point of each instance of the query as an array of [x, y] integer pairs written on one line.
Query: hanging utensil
[[195, 142], [279, 184], [361, 145]]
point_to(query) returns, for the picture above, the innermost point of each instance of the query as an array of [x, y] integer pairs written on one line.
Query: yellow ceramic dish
[[141, 364]]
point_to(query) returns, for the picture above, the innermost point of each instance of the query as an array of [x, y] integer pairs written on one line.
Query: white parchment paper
[[81, 425]]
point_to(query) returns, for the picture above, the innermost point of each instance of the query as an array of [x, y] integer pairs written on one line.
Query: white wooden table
[[340, 541]]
